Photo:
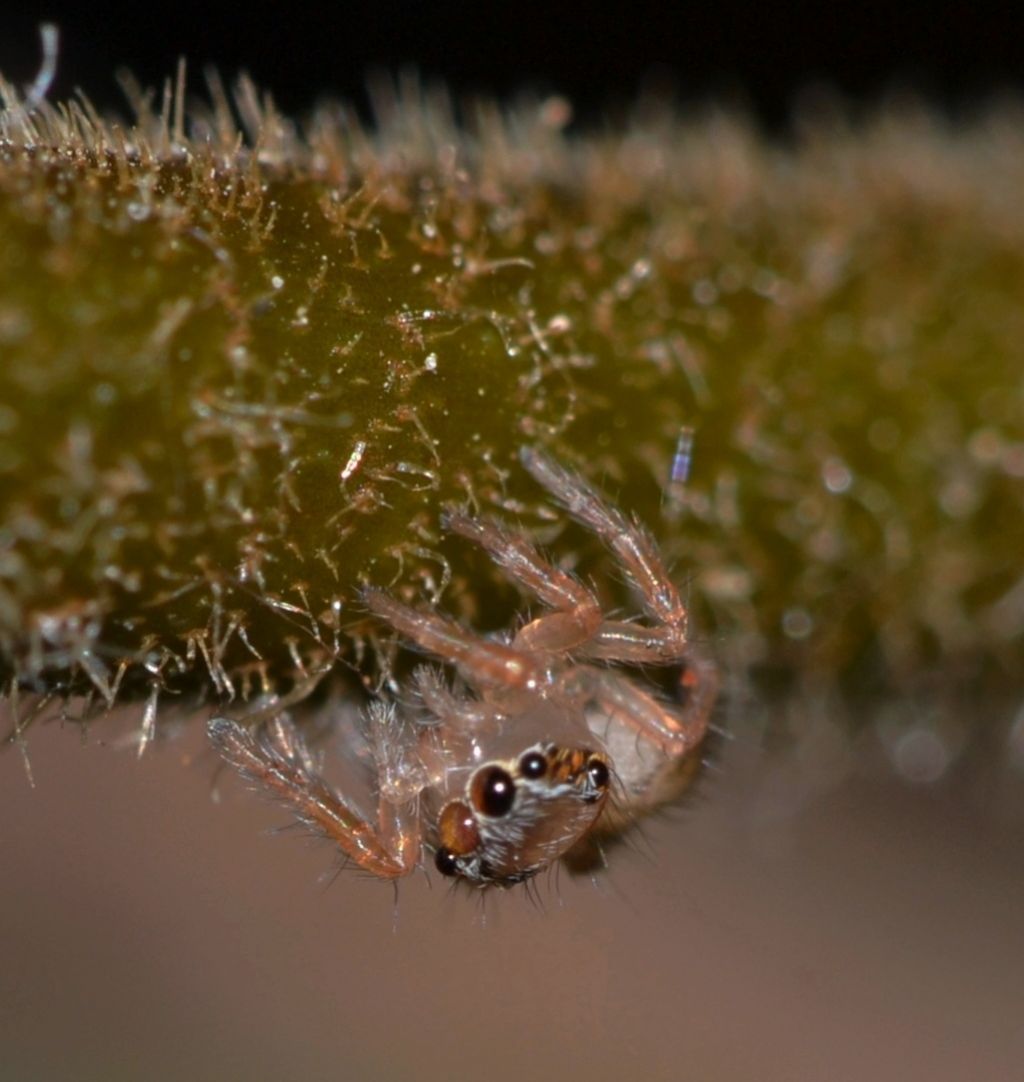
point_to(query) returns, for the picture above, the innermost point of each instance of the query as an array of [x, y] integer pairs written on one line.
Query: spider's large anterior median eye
[[493, 791], [533, 765]]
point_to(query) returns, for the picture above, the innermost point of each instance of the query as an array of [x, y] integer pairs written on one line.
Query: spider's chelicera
[[546, 744]]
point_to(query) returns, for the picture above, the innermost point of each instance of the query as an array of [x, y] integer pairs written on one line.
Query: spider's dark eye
[[597, 772], [493, 792], [446, 862], [533, 765]]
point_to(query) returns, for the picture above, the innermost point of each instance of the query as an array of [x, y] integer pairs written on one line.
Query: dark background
[[760, 55]]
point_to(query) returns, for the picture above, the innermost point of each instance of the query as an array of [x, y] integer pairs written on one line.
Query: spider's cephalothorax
[[519, 816], [514, 769]]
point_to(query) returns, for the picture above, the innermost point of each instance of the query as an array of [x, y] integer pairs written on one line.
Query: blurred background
[[793, 922], [957, 53], [825, 910]]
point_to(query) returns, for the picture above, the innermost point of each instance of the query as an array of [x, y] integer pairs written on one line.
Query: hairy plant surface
[[244, 367]]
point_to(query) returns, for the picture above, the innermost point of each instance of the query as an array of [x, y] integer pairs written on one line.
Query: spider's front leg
[[275, 758]]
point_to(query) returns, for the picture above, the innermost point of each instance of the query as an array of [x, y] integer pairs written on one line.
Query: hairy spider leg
[[481, 661], [275, 758], [637, 554], [578, 614], [677, 730], [445, 706]]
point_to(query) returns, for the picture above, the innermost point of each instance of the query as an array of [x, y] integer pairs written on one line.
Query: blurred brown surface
[[774, 931]]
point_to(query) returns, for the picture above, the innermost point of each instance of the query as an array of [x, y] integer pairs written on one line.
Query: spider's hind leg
[[632, 545], [655, 744], [638, 556], [676, 730]]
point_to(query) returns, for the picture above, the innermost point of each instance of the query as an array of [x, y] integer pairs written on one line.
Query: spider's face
[[518, 816]]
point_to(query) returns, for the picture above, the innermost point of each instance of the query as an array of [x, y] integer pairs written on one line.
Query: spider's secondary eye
[[493, 791], [446, 862], [597, 771], [456, 829], [533, 765]]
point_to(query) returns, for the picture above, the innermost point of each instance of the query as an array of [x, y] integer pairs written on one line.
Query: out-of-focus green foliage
[[243, 369]]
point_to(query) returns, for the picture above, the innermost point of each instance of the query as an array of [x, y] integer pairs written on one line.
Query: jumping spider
[[542, 747]]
